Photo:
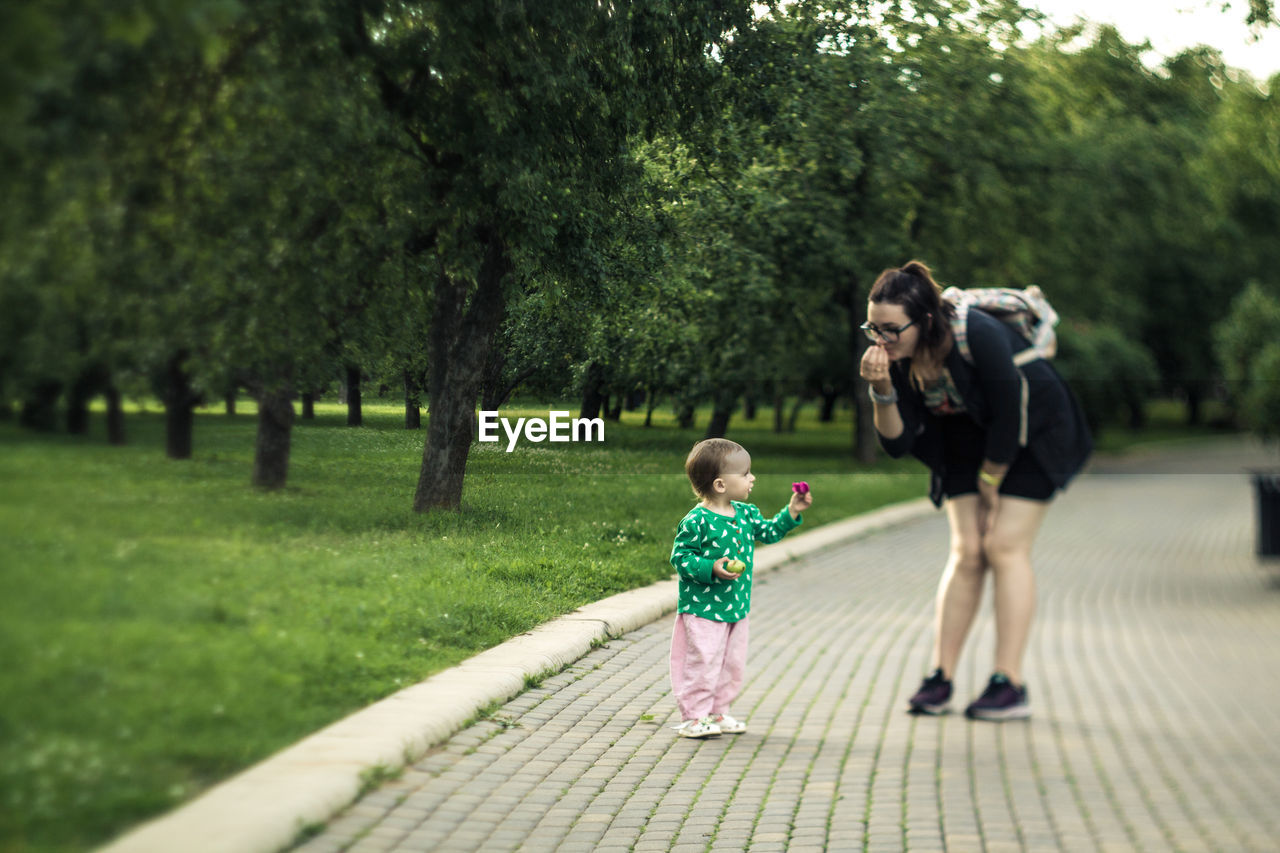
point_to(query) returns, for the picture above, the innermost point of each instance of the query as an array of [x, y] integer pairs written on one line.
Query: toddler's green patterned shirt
[[704, 537]]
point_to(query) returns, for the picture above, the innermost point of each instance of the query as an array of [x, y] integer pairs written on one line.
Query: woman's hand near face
[[875, 369]]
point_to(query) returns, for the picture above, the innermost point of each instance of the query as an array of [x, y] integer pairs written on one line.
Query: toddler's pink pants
[[708, 664]]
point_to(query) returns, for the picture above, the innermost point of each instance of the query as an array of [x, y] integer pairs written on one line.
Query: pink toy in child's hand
[[800, 488]]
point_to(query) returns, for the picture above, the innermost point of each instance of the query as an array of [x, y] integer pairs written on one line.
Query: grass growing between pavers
[[164, 625]]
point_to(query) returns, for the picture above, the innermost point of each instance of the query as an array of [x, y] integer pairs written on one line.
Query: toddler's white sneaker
[[700, 728], [728, 725]]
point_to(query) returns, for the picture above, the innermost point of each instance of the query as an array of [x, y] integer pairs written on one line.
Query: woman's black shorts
[[963, 443]]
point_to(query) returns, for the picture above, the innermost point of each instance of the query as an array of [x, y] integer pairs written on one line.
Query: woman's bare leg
[[960, 591], [1007, 550]]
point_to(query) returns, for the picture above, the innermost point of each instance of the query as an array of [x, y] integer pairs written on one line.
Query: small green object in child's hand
[[736, 566]]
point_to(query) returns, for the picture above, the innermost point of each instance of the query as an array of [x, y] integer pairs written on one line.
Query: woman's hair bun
[[916, 268]]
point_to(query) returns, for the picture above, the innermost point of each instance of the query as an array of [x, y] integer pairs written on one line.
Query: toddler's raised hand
[[801, 498]]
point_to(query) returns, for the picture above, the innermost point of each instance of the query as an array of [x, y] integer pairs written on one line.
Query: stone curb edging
[[263, 809]]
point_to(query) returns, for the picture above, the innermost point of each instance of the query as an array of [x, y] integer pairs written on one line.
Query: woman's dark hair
[[912, 286]]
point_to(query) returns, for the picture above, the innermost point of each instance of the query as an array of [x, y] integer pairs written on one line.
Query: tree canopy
[[684, 201]]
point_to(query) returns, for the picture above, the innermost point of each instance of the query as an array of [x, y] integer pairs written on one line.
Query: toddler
[[713, 552]]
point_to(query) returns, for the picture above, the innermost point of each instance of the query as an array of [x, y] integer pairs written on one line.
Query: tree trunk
[[795, 413], [40, 408], [686, 416], [749, 408], [491, 391], [614, 411], [865, 441], [78, 406], [115, 416], [720, 414], [592, 398], [1194, 398], [275, 428], [412, 403], [308, 406], [653, 404], [827, 412], [864, 426], [460, 339], [179, 409], [179, 429], [1135, 405], [1137, 414], [229, 399], [779, 402], [449, 434], [355, 415], [92, 379]]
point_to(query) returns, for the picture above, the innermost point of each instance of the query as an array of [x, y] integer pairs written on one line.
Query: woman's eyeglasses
[[888, 334]]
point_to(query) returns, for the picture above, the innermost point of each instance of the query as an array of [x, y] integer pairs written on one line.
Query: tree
[[1112, 374], [98, 127], [1251, 324], [879, 125], [688, 199], [297, 242], [1240, 165], [1128, 204], [520, 119], [1261, 14]]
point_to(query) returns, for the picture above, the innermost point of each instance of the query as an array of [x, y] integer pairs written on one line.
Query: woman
[[1000, 441]]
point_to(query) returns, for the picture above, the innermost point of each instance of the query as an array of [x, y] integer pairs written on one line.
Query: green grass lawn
[[163, 624]]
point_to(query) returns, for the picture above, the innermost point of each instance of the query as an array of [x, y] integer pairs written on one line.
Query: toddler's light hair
[[706, 462]]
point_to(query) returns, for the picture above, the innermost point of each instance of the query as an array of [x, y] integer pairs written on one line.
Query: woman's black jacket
[[1029, 406]]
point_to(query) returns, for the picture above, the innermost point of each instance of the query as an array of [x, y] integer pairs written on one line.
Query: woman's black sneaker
[[934, 695], [1000, 701]]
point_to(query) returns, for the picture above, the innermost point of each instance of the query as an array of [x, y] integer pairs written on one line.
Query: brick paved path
[[1154, 675]]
